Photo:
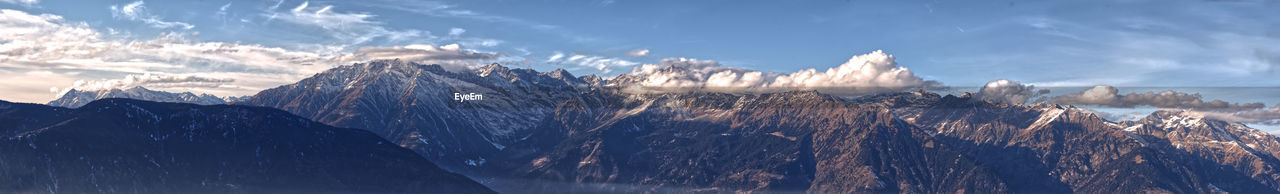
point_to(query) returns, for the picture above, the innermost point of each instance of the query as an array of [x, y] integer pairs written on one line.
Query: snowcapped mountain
[[125, 145], [418, 106], [549, 132], [76, 98], [1053, 148], [1234, 146]]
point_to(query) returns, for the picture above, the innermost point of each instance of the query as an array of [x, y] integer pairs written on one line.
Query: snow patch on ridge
[[1047, 116]]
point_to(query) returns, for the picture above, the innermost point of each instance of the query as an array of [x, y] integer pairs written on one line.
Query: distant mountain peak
[[76, 98], [558, 73], [493, 68]]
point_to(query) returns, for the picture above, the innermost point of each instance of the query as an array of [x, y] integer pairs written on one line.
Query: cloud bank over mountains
[[450, 56], [1109, 96], [62, 52], [149, 80], [874, 72], [1013, 92], [1269, 116]]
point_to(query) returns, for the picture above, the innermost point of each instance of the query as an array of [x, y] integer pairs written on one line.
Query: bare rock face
[[124, 145]]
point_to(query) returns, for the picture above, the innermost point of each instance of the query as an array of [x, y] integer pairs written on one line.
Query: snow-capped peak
[[1048, 115]]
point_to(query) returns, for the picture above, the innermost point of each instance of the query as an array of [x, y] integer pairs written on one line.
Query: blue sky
[[1141, 43], [239, 47]]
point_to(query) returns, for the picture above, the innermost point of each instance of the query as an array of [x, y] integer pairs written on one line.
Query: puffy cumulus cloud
[[47, 43], [602, 64], [638, 52], [869, 73], [136, 11], [681, 73], [1006, 91], [149, 80], [450, 56], [355, 28], [863, 74], [1109, 96]]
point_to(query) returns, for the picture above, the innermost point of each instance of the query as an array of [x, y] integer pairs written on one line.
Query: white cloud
[[638, 52], [440, 9], [136, 11], [47, 43], [480, 42], [456, 31], [600, 63], [149, 80], [555, 57], [1109, 96], [1006, 91], [450, 56], [222, 11], [24, 3], [863, 74], [353, 28], [1270, 116]]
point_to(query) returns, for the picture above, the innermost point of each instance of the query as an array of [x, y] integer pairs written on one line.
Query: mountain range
[[75, 98], [552, 132]]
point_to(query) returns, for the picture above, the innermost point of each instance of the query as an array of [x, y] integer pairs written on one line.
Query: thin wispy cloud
[[451, 56], [350, 27], [24, 3], [456, 31], [450, 11], [136, 11], [638, 52], [441, 9], [599, 63]]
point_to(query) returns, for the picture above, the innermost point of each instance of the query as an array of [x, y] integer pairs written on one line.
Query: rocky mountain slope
[[1052, 148], [124, 145], [551, 132], [415, 105], [796, 141], [76, 98]]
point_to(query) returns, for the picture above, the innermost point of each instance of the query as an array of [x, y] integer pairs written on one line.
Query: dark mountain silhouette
[[125, 145]]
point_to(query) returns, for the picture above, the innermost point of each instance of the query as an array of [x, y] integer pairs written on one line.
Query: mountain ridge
[[75, 98]]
